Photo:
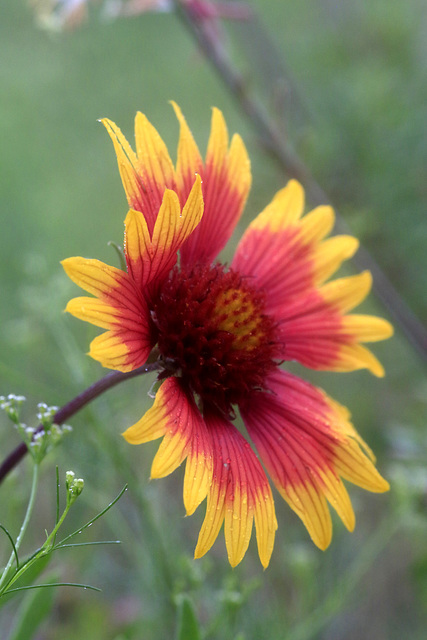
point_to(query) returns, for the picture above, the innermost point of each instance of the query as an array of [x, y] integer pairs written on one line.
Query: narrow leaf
[[188, 626], [12, 543], [56, 584], [99, 515]]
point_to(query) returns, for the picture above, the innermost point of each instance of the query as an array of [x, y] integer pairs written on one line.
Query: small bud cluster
[[39, 440], [45, 414], [11, 405], [74, 487]]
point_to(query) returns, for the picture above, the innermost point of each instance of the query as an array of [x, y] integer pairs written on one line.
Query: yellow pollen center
[[235, 312]]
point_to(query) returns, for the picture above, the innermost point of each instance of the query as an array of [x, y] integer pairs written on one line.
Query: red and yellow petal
[[307, 445], [239, 495], [329, 255], [189, 161], [94, 311], [107, 316], [226, 178], [366, 328], [285, 210], [133, 183], [123, 350], [284, 252], [175, 416], [153, 156], [344, 294], [146, 174], [118, 307], [149, 259], [316, 333], [154, 166], [288, 257], [128, 343], [98, 278]]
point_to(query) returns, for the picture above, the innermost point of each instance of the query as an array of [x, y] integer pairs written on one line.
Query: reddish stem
[[72, 407]]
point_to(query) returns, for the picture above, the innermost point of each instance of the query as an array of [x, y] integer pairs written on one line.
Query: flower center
[[213, 331]]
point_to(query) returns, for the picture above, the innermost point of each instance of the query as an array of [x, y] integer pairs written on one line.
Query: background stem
[[273, 141]]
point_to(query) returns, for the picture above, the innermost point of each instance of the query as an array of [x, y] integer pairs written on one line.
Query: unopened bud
[[74, 486], [69, 478]]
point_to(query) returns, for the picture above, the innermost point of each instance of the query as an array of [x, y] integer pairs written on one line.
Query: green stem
[[48, 545], [24, 526], [45, 549]]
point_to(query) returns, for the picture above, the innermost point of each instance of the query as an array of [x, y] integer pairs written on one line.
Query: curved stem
[[24, 526], [98, 388], [272, 139]]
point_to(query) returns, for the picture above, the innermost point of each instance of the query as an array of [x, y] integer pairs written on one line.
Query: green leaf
[[120, 253], [48, 585], [12, 543], [35, 608], [88, 524], [188, 626]]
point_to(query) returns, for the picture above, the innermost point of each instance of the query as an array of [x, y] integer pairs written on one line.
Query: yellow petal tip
[[322, 544]]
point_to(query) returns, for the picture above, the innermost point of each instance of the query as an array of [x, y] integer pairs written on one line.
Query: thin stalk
[[55, 584], [50, 544], [67, 411], [46, 548], [24, 526]]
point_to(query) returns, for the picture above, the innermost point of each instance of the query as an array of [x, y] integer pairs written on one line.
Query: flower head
[[222, 333]]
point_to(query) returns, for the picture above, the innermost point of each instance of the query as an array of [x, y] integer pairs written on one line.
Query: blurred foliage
[[347, 80]]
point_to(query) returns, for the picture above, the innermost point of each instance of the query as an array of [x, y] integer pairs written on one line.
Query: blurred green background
[[347, 81]]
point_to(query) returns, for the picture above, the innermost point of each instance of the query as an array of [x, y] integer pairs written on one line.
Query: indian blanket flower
[[221, 334]]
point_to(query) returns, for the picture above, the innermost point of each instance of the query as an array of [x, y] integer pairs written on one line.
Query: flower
[[221, 334]]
